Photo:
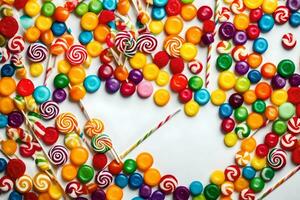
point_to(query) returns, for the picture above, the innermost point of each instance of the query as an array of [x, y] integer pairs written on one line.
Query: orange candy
[[77, 92], [188, 12], [123, 7], [263, 90], [193, 35], [9, 147], [268, 70], [255, 121], [6, 105], [101, 32], [69, 38], [61, 14], [240, 184], [121, 73], [7, 86], [47, 37], [254, 60], [248, 144], [32, 34], [271, 112], [249, 97]]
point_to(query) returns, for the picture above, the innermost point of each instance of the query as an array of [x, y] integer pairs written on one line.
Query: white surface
[[189, 148]]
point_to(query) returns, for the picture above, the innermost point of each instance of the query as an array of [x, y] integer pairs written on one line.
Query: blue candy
[[135, 181], [15, 196], [266, 23], [295, 19], [158, 13], [260, 45], [137, 198], [254, 76], [196, 188], [7, 70], [92, 83], [225, 110], [85, 37], [121, 180], [3, 164], [26, 21], [112, 25], [109, 4], [249, 172], [58, 28], [41, 94], [160, 3], [3, 121], [202, 97]]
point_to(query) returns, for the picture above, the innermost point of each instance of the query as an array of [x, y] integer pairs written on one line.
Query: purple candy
[[157, 195], [98, 195], [59, 95], [278, 82], [181, 193], [293, 5], [207, 38], [135, 76], [236, 100], [145, 191], [81, 198], [226, 31], [294, 80], [112, 85], [241, 67], [240, 38], [15, 119]]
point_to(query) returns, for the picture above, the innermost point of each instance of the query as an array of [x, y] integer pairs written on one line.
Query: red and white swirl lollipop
[[195, 66], [37, 52], [232, 173], [74, 189], [49, 110], [227, 188], [16, 44], [288, 142], [239, 53], [281, 14], [224, 47], [146, 43], [276, 158], [293, 126], [224, 14], [288, 41], [122, 39], [76, 54], [168, 184], [6, 184], [4, 55], [58, 155], [103, 179], [247, 194], [237, 7]]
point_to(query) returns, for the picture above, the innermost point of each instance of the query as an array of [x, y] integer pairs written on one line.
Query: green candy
[[242, 84], [2, 41], [279, 127], [95, 6], [224, 62], [241, 114], [286, 68], [81, 9], [259, 106], [267, 174], [211, 192], [199, 197], [48, 9], [129, 166], [187, 1], [61, 81], [85, 174], [286, 111], [257, 184], [195, 83]]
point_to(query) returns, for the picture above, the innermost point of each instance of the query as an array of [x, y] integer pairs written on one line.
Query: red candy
[[298, 110], [255, 14], [30, 196], [208, 26], [19, 4], [127, 89], [232, 173], [8, 26], [294, 95], [271, 140], [262, 150], [15, 168], [296, 156], [176, 65], [105, 72], [227, 125], [106, 16], [25, 87], [204, 13], [173, 7], [115, 168], [288, 142], [161, 59], [51, 135], [178, 82], [105, 56], [252, 32], [99, 161], [185, 95]]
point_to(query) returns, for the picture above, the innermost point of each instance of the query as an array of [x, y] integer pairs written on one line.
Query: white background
[[189, 148]]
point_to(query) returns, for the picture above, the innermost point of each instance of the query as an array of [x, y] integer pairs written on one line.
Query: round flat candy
[[267, 174], [161, 97], [25, 87], [144, 161], [152, 177], [7, 86], [14, 195], [196, 188], [68, 172], [59, 95], [26, 21], [121, 180], [99, 194], [85, 174], [15, 168], [156, 27], [188, 12], [135, 180], [158, 13], [78, 156], [150, 72], [15, 119], [218, 97], [248, 172], [286, 111], [3, 164], [266, 23], [85, 37], [91, 83], [9, 147], [260, 45], [202, 97], [145, 191], [257, 184], [41, 94], [145, 89], [8, 26], [188, 51], [173, 25], [181, 193], [191, 108], [211, 191], [114, 192], [294, 20]]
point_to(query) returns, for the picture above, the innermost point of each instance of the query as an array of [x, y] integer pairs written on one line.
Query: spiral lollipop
[[41, 161], [242, 130], [146, 43], [281, 14], [101, 143], [24, 184], [6, 184], [103, 179], [168, 184], [37, 52], [41, 182], [4, 55], [66, 123], [58, 155], [93, 127], [130, 48], [49, 110], [172, 45], [74, 189], [276, 159], [122, 39], [76, 54], [16, 44]]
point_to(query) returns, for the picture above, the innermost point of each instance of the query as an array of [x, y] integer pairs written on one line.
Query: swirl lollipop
[[247, 194], [93, 127], [24, 184], [168, 184], [66, 123], [195, 66], [76, 54], [41, 161], [103, 179], [130, 48], [6, 184], [281, 14], [122, 39], [16, 44], [4, 55], [242, 130], [72, 140], [101, 143], [172, 45], [146, 43], [74, 189], [276, 159], [41, 182], [37, 52], [232, 173], [58, 155], [49, 110], [293, 126]]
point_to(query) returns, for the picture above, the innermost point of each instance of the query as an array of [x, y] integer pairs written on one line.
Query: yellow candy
[[89, 21], [226, 80], [252, 4], [228, 1], [152, 177], [138, 61], [76, 75], [161, 97], [87, 63], [63, 66], [55, 191], [156, 27], [32, 8], [230, 139], [173, 25], [241, 21], [113, 192], [217, 177], [36, 69], [191, 108], [94, 48], [279, 97], [269, 6], [162, 78], [218, 97], [188, 51], [150, 72], [248, 144], [242, 85], [258, 163], [43, 23]]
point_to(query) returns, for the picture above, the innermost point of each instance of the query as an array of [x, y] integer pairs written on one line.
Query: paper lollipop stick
[[148, 134], [280, 182]]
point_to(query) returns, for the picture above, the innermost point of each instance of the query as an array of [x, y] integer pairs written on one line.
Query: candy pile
[[260, 93]]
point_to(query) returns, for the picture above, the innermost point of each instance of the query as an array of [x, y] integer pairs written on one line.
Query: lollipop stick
[[264, 125], [148, 134], [117, 157], [48, 69]]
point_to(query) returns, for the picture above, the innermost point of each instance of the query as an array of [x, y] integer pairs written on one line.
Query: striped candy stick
[[280, 182], [148, 134]]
